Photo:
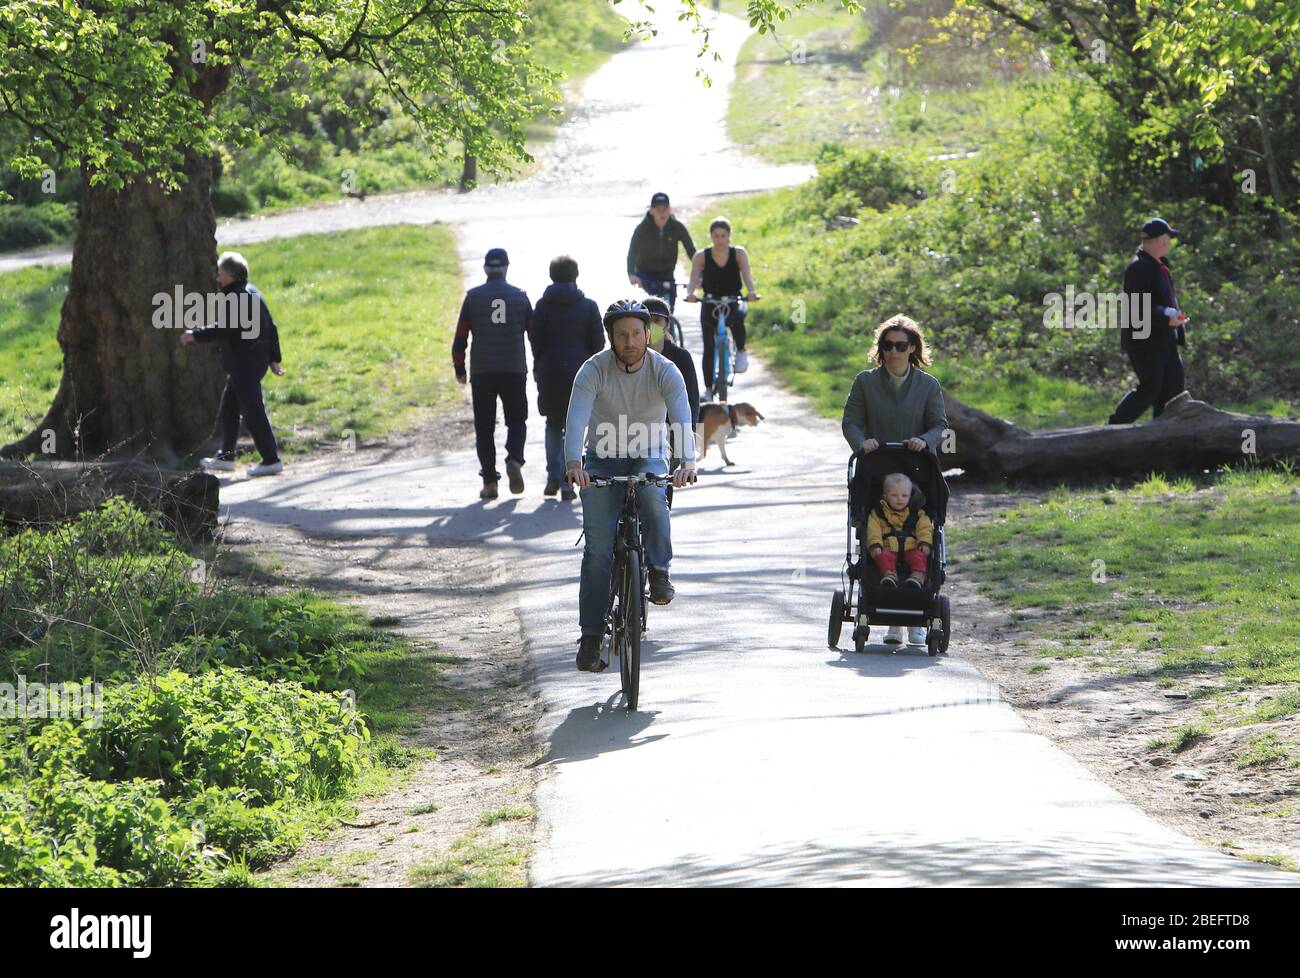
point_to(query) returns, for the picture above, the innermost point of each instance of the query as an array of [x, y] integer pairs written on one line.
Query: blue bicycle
[[724, 345]]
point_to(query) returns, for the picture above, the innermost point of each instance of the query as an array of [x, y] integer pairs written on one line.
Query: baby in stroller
[[897, 530]]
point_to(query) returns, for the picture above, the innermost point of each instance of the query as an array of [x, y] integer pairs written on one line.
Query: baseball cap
[[496, 258], [659, 198], [655, 306], [1158, 226]]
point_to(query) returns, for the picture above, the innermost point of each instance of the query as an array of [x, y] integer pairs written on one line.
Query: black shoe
[[589, 653], [567, 494], [552, 487], [661, 588], [515, 473]]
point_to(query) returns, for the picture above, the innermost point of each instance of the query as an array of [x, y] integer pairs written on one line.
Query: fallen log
[[1188, 435], [43, 493]]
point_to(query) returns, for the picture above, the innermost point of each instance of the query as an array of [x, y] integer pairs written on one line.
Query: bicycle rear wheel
[[629, 598], [675, 330]]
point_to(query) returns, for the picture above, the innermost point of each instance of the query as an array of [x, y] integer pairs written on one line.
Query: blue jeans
[[600, 511], [555, 449]]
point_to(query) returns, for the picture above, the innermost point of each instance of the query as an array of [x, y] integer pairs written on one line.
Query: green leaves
[[128, 89]]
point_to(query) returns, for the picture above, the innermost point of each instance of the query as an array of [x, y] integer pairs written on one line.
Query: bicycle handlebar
[[646, 477]]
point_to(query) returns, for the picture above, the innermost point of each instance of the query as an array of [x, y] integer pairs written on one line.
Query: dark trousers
[[709, 322], [1159, 370], [664, 286], [512, 389], [242, 401]]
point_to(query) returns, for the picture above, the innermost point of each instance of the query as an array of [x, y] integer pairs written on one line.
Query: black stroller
[[876, 605]]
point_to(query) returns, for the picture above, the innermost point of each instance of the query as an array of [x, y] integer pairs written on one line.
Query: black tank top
[[721, 279]]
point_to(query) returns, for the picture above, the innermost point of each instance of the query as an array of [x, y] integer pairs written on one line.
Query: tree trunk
[[1188, 435], [129, 389], [43, 493]]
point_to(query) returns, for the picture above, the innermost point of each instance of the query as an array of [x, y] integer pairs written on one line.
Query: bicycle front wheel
[[629, 598]]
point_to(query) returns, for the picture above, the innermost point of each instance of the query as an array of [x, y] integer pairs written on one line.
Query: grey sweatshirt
[[622, 413], [877, 409]]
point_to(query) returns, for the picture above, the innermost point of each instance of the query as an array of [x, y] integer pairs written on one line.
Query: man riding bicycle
[[719, 268], [620, 398], [652, 253]]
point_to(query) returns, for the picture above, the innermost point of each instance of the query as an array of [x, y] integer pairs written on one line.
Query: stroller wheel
[[945, 615], [837, 620], [932, 641], [860, 636]]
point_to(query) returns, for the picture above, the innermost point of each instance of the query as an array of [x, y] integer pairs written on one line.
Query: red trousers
[[887, 561]]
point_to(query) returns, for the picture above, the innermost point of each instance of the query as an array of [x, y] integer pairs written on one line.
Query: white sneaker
[[916, 635], [895, 635], [220, 464], [275, 468], [742, 361]]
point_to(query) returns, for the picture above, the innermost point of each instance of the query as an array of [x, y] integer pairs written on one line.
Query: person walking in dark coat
[[567, 330], [1152, 346], [499, 317], [250, 345]]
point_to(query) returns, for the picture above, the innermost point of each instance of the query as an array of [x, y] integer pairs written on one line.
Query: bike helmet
[[624, 308], [656, 306]]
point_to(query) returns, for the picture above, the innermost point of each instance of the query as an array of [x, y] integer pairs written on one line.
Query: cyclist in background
[[620, 398], [684, 362], [652, 253], [719, 268]]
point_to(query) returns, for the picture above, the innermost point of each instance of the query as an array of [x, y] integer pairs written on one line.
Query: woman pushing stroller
[[897, 401]]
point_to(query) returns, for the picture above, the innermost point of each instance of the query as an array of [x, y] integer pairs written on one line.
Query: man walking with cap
[[1152, 346], [652, 253], [499, 316]]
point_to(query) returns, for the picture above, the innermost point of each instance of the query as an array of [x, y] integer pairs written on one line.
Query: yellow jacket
[[876, 529]]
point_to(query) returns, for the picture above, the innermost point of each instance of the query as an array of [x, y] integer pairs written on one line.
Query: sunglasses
[[902, 346]]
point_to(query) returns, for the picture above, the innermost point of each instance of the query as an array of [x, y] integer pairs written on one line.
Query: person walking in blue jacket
[[499, 317], [567, 330]]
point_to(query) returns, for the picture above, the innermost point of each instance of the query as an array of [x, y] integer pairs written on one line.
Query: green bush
[[28, 226], [849, 180], [174, 779], [111, 593]]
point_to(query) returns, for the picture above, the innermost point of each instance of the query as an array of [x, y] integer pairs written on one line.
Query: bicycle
[[666, 289], [724, 345], [625, 616]]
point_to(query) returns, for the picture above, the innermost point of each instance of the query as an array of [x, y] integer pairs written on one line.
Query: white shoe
[[895, 635], [742, 361], [916, 635], [275, 468], [220, 464]]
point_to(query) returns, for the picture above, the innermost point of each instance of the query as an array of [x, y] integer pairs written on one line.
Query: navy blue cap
[[1158, 226], [659, 198], [496, 258]]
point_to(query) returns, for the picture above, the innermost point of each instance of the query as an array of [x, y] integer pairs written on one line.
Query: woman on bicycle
[[897, 401], [719, 268]]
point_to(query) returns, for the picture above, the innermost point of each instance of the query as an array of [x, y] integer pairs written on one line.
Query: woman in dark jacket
[[567, 330]]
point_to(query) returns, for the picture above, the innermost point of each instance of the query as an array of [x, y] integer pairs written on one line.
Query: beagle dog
[[717, 420]]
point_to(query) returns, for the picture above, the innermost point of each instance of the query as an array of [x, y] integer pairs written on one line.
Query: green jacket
[[874, 409]]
